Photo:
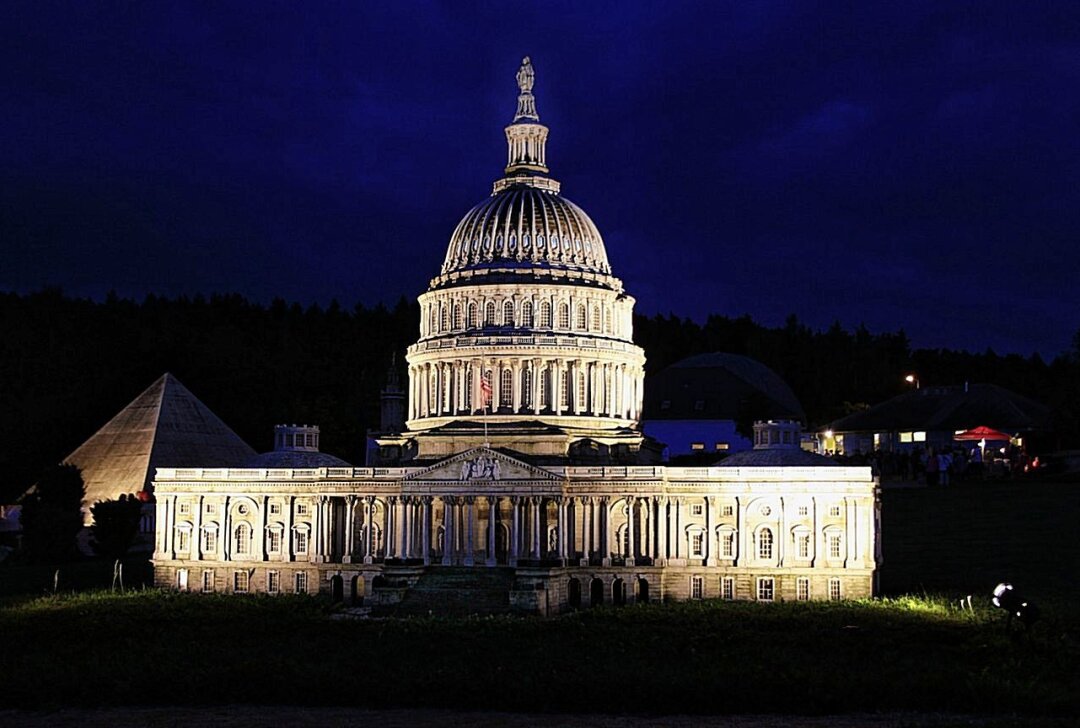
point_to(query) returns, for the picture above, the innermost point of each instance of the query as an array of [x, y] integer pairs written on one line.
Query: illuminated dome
[[522, 225]]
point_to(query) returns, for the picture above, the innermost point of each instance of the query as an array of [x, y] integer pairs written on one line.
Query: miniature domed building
[[295, 446]]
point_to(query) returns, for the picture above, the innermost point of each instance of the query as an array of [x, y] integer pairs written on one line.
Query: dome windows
[[564, 315], [508, 313], [545, 315], [527, 314]]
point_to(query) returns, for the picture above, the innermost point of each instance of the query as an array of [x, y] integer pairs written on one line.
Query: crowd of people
[[942, 466]]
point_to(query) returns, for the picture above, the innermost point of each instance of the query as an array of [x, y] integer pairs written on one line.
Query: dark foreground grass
[[909, 654]]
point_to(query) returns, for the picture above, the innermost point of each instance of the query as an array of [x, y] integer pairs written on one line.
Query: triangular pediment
[[480, 465]]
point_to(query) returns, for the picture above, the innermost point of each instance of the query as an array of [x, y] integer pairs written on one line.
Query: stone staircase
[[458, 591]]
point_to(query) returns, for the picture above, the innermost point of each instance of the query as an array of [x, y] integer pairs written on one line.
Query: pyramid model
[[165, 426]]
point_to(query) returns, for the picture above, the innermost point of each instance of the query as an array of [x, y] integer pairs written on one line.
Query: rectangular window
[[722, 446], [185, 509], [275, 541], [208, 581], [210, 509], [240, 582], [804, 510], [728, 510], [765, 589], [301, 542], [834, 589], [697, 446], [905, 437], [727, 588], [697, 509], [918, 436], [697, 543], [301, 509], [834, 511], [183, 539], [275, 509], [273, 582], [804, 545], [182, 579], [802, 589], [209, 541], [301, 582], [834, 546], [697, 587], [727, 545]]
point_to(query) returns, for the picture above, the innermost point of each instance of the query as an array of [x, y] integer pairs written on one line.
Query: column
[[389, 516], [496, 385], [515, 382], [369, 529], [742, 557], [515, 531], [493, 513], [561, 506], [662, 526], [679, 536], [448, 531], [287, 537], [586, 531], [406, 527], [632, 536], [605, 539], [196, 530], [469, 519], [425, 537], [477, 396], [412, 395], [536, 504], [260, 533], [223, 540], [350, 528], [710, 532], [163, 508], [537, 372]]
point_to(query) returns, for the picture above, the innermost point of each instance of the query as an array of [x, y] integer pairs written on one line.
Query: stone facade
[[522, 468]]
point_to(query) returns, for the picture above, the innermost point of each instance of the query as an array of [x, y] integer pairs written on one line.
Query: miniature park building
[[520, 478]]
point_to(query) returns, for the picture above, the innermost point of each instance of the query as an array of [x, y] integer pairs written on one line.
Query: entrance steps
[[457, 591]]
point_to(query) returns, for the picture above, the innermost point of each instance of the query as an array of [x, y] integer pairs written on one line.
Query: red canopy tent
[[983, 433]]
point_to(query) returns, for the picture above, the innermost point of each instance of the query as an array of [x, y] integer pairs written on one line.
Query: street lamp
[[912, 379]]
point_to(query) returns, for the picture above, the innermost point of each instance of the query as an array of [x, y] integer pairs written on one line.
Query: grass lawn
[[918, 653]]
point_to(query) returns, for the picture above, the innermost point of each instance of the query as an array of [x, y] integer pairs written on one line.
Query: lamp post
[[912, 379]]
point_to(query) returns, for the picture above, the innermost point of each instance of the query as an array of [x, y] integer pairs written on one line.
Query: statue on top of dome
[[525, 76]]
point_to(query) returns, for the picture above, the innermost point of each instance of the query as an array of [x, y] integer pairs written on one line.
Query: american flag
[[485, 388]]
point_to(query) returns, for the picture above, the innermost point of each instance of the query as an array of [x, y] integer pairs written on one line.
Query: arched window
[[607, 320], [545, 315], [527, 314], [579, 323], [433, 391], [444, 317], [242, 539], [470, 322], [433, 318], [506, 388], [457, 317], [508, 313], [489, 314], [765, 544], [582, 390], [596, 318], [564, 316]]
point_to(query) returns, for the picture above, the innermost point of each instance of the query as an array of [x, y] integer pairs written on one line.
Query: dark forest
[[68, 365]]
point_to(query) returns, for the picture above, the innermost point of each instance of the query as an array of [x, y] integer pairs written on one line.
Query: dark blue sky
[[907, 165]]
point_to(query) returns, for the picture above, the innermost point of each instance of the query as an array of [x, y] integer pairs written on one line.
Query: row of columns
[[440, 318], [656, 527], [450, 388]]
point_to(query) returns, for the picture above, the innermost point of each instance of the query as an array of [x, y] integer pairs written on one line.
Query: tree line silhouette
[[67, 365]]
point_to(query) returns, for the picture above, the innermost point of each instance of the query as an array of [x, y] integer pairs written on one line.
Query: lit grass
[[903, 654]]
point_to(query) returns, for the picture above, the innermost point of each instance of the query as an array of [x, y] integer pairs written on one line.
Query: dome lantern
[[526, 139]]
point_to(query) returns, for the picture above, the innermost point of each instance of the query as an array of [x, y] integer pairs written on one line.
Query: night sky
[[906, 165]]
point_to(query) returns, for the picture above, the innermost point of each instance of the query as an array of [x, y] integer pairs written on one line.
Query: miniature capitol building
[[512, 473]]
